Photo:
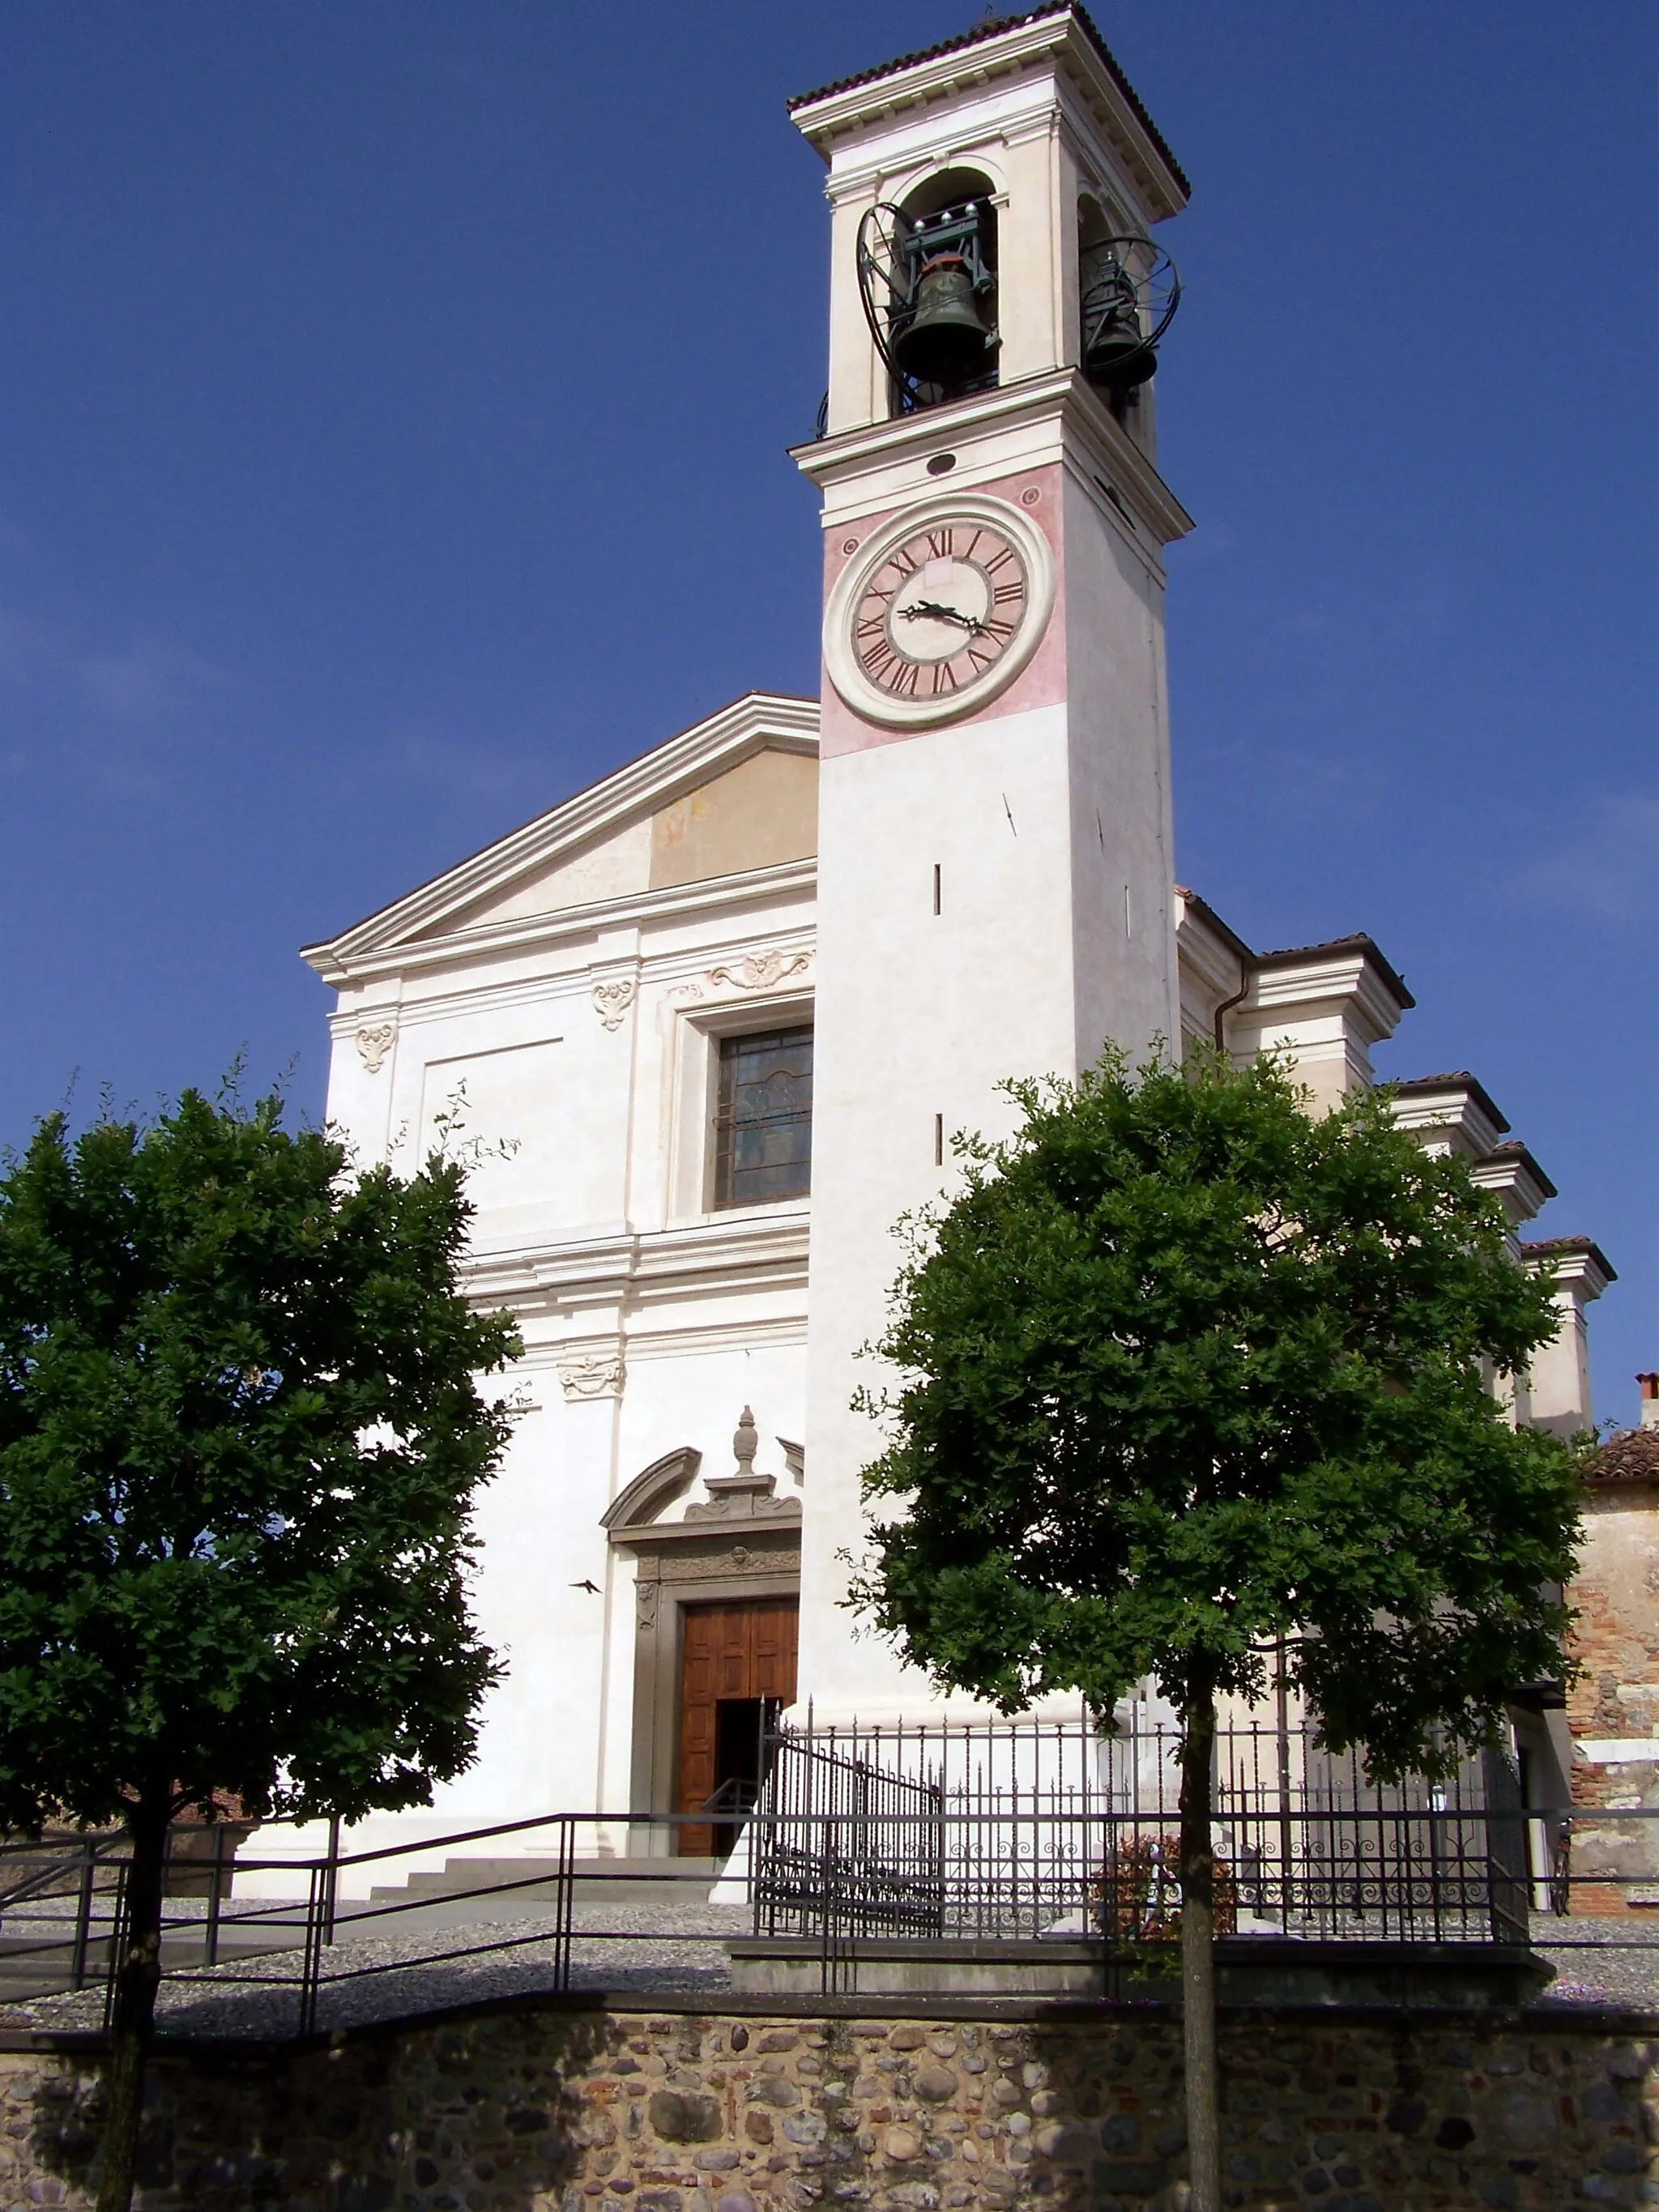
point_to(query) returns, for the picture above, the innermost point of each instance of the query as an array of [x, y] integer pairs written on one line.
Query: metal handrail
[[832, 1892]]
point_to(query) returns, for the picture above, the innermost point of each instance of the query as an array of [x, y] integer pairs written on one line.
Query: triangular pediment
[[733, 794]]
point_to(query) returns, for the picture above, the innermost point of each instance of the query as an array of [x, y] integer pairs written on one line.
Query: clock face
[[940, 610]]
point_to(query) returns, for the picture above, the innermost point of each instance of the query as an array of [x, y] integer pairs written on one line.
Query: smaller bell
[[1115, 352], [945, 340]]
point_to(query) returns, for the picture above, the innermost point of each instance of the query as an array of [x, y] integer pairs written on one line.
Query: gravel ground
[[676, 1947], [639, 1947], [1600, 1961]]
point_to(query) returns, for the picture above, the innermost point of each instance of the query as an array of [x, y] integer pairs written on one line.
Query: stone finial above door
[[745, 1494]]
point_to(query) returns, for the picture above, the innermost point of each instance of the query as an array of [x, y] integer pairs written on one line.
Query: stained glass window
[[764, 1122]]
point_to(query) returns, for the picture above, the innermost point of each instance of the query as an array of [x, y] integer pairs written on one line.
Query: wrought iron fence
[[1022, 1831], [925, 1837]]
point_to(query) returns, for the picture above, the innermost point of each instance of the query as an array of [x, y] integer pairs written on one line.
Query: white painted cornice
[[1085, 434], [1208, 958], [1055, 42], [1515, 1178], [1452, 1118], [654, 780], [1346, 982], [743, 1252], [1577, 1268]]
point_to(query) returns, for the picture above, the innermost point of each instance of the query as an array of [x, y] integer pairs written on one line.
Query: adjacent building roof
[[993, 29], [1632, 1456]]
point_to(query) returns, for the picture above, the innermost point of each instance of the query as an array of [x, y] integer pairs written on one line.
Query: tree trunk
[[138, 1975], [1197, 1945]]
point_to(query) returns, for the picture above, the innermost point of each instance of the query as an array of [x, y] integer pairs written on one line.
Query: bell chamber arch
[[927, 277], [1127, 294]]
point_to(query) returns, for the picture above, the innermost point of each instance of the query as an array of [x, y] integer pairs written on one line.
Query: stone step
[[599, 1881]]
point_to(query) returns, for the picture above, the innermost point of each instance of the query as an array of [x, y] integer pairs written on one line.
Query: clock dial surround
[[942, 608]]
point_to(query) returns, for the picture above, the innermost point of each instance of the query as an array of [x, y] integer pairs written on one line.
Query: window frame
[[721, 1159]]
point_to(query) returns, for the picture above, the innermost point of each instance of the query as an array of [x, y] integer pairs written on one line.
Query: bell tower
[[995, 869]]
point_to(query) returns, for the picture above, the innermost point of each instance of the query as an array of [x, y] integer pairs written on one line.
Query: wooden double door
[[736, 1673]]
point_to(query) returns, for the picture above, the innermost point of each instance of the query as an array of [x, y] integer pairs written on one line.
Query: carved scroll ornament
[[374, 1041], [598, 1374], [611, 1000], [755, 971]]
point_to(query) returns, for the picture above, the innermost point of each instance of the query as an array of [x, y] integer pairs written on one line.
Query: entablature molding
[[571, 926], [768, 1252]]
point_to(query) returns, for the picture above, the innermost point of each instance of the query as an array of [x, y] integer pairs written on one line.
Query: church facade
[[704, 1031]]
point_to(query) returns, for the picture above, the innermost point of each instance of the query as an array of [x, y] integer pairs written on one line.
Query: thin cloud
[[150, 678], [142, 678], [1608, 863]]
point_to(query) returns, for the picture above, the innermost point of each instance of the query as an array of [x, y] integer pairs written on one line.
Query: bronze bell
[[945, 341], [1117, 353]]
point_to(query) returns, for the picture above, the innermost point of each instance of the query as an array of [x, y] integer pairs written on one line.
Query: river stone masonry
[[548, 2109]]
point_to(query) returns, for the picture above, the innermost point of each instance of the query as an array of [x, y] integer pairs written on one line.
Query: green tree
[[240, 1433], [1184, 1372]]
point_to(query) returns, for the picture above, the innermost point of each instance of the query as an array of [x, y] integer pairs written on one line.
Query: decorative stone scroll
[[755, 971], [374, 1041], [594, 1375], [612, 1000]]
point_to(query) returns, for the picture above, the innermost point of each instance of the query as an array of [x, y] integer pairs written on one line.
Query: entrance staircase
[[660, 1881]]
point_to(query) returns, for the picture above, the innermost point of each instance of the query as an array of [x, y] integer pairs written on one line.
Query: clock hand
[[919, 610]]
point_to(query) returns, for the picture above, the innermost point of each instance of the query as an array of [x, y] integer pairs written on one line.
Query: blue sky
[[394, 399]]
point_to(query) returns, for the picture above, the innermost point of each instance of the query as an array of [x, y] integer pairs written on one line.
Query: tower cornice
[[983, 431], [1060, 36]]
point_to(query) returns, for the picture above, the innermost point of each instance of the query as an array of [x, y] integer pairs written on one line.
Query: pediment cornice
[[414, 925]]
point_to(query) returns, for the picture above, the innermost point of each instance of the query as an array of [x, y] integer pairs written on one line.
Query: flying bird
[[587, 1585]]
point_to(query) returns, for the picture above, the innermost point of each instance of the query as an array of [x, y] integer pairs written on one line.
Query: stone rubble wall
[[545, 2108]]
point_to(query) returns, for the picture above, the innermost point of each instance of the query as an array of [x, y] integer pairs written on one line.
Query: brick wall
[[544, 2108], [1613, 1707]]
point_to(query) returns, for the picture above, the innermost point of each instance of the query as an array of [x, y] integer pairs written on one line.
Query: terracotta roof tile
[[1631, 1455], [992, 28]]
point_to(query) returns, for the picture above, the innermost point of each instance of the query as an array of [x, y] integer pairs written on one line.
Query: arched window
[[942, 318], [1110, 271]]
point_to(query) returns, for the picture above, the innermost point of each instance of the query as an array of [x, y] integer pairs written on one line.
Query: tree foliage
[[1185, 1370], [240, 1433]]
